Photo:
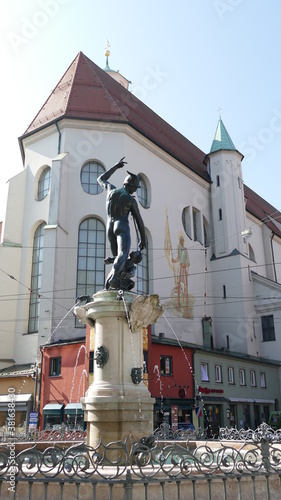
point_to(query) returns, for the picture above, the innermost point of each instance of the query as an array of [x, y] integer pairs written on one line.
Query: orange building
[[64, 380]]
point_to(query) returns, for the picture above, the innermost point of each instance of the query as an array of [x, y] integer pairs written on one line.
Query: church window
[[91, 253], [44, 183], [142, 192], [142, 284], [268, 331], [36, 273], [89, 175]]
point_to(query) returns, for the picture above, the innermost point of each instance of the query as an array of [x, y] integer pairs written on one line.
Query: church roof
[[88, 92], [222, 139], [263, 210]]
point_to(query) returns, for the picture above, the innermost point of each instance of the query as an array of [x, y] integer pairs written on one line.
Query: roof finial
[[107, 52], [219, 110]]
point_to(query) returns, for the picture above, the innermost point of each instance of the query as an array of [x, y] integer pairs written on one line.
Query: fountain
[[118, 403]]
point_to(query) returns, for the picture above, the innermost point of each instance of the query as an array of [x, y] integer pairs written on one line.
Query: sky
[[187, 60]]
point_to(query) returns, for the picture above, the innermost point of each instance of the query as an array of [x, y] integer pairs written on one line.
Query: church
[[213, 246]]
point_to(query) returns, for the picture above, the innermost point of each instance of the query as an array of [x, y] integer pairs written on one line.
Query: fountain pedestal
[[114, 406]]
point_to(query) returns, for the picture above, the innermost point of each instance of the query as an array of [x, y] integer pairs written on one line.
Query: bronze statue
[[120, 203]]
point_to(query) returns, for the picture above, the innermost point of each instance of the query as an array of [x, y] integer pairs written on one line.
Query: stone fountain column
[[118, 403]]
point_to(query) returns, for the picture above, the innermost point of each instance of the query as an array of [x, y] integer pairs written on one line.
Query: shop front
[[15, 411], [74, 417], [213, 409], [175, 412], [52, 416]]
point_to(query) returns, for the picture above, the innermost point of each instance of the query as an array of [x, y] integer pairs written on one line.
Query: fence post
[[128, 486]]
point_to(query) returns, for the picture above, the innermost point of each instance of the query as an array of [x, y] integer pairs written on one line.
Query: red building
[[170, 380], [64, 380]]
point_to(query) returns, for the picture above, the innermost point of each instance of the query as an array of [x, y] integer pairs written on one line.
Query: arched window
[[252, 253], [142, 282], [36, 273], [142, 192], [206, 229], [186, 221], [91, 253], [44, 183], [89, 174]]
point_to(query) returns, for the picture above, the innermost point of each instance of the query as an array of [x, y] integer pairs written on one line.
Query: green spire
[[222, 139]]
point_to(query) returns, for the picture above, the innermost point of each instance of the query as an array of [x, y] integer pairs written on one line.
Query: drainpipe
[[273, 260], [40, 385], [59, 141]]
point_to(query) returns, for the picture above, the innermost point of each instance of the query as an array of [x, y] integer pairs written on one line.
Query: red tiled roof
[[87, 92], [261, 209]]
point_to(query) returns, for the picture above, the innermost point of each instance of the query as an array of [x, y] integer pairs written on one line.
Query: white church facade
[[213, 245]]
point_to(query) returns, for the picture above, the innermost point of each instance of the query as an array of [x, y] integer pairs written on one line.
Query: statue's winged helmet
[[132, 179]]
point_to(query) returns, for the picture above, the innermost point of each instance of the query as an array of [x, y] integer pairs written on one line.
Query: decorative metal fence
[[60, 433], [148, 469]]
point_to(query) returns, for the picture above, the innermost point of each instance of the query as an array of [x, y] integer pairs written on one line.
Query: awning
[[240, 400], [21, 401], [53, 408], [165, 404], [265, 401], [73, 408], [215, 399]]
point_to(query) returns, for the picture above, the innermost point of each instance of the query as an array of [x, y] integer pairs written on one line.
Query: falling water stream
[[190, 368]]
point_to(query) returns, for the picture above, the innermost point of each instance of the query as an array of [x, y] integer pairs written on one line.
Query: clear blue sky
[[185, 58]]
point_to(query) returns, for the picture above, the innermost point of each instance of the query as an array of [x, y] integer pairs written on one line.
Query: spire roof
[[222, 139], [87, 92]]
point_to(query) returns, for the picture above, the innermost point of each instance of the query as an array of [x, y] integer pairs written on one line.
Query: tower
[[227, 195]]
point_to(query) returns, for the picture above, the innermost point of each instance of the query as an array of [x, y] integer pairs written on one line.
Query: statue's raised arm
[[120, 204], [103, 179]]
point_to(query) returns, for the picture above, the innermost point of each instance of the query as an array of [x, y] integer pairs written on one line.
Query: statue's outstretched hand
[[121, 163]]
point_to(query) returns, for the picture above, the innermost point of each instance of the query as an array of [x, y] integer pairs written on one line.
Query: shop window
[[218, 374], [53, 415], [74, 417], [253, 378], [262, 379], [89, 175], [166, 365], [204, 372], [268, 332], [242, 377], [55, 367], [230, 375], [74, 422]]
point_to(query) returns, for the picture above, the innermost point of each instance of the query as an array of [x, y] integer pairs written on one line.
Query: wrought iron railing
[[58, 434], [166, 433], [228, 434], [147, 458]]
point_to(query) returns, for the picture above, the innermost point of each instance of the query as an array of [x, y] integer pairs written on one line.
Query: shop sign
[[207, 390], [33, 418]]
